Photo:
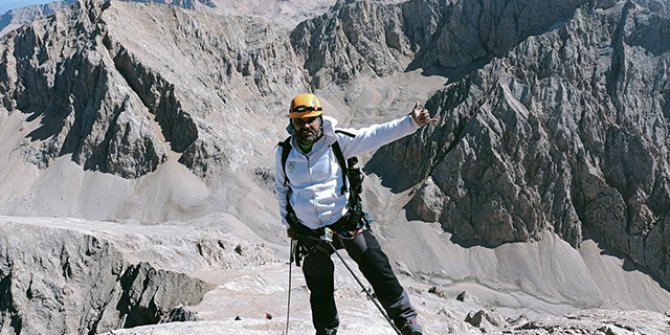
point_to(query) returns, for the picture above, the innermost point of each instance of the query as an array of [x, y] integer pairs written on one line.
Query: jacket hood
[[329, 124]]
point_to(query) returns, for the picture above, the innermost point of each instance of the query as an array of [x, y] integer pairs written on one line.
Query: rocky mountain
[[147, 130], [285, 14], [568, 132], [381, 39], [106, 100], [22, 16], [98, 277]]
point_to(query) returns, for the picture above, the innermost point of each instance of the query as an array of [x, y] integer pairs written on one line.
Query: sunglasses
[[303, 121]]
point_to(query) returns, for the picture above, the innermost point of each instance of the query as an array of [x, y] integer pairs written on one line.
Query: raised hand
[[421, 115]]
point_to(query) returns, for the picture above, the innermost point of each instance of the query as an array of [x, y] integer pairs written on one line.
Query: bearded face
[[307, 130]]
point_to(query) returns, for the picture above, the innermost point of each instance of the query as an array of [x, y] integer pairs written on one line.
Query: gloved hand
[[292, 233]]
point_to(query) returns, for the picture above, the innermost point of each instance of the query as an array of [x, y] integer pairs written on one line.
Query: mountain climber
[[316, 199]]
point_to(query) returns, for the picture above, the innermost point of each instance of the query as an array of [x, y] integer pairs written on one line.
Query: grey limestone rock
[[82, 101], [554, 117], [78, 277], [486, 320], [660, 7], [364, 38], [81, 284], [438, 291], [567, 131], [598, 322], [472, 32], [15, 18], [465, 296], [120, 106]]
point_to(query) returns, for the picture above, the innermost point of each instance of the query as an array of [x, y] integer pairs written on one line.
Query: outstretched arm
[[377, 135]]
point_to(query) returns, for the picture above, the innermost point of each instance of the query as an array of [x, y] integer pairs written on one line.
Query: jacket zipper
[[311, 179]]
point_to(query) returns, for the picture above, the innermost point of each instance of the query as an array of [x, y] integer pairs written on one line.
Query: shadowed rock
[[77, 277], [555, 135]]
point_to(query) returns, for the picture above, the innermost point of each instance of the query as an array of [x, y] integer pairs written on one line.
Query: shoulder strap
[[291, 218], [340, 131], [285, 150], [343, 165], [340, 158]]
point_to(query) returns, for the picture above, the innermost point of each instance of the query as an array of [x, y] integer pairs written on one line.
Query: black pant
[[365, 250]]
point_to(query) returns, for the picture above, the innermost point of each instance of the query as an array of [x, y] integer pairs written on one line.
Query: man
[[313, 195]]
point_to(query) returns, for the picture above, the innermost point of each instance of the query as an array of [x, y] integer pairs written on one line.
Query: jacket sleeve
[[372, 137], [281, 188]]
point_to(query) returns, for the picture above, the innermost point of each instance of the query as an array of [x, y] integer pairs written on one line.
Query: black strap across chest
[[286, 149]]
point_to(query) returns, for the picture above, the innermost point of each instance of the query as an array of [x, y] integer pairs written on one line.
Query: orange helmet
[[305, 105]]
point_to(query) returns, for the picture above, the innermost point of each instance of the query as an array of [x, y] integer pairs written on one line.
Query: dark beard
[[308, 137]]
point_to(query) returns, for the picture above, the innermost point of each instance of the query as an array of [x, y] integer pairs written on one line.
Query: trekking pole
[[290, 262], [379, 307]]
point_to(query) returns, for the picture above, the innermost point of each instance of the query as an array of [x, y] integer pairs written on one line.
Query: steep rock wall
[[119, 106], [568, 132], [80, 277]]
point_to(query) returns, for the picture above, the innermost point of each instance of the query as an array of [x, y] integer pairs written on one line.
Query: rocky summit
[[137, 143]]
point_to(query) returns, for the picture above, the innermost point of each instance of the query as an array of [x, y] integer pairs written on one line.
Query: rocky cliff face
[[375, 38], [364, 38], [567, 131], [78, 278], [660, 7], [284, 15], [22, 16], [554, 117], [120, 105]]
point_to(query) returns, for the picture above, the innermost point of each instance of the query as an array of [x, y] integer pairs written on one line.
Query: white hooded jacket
[[315, 179]]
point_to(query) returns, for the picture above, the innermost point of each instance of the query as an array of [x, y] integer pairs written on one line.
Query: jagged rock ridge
[[78, 278], [374, 38], [113, 105], [109, 103], [568, 132], [563, 127], [21, 16]]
